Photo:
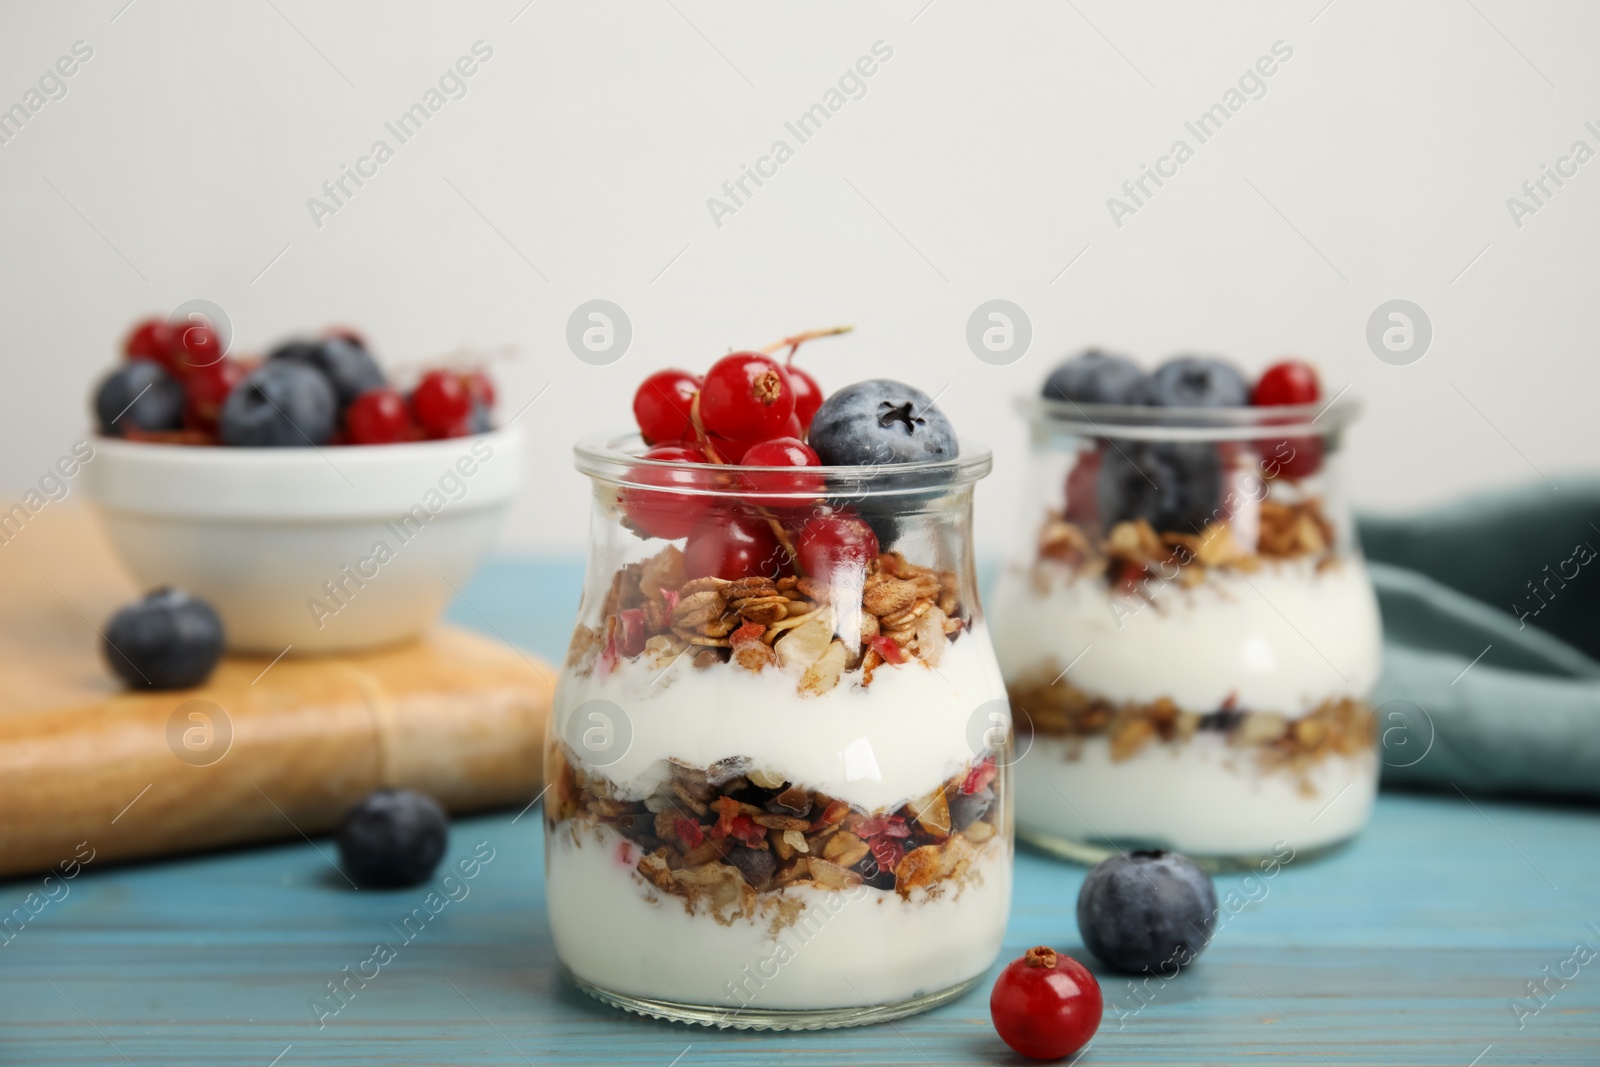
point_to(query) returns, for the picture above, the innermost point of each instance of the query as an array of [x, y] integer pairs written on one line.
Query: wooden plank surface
[[1407, 948], [262, 744]]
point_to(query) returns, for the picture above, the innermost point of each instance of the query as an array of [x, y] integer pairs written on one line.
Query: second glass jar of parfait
[[1188, 634], [777, 799]]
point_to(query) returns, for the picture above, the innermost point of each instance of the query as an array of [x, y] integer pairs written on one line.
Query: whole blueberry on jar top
[[1147, 912], [881, 422], [285, 403], [168, 640], [1095, 377], [1193, 382]]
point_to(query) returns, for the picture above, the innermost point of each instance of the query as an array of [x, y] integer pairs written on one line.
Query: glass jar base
[[770, 1018], [1089, 853]]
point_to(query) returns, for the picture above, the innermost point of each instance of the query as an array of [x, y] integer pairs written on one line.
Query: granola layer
[[1339, 726], [731, 839], [902, 612], [1133, 553]]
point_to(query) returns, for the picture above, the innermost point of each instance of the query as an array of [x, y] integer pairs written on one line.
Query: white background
[[977, 166]]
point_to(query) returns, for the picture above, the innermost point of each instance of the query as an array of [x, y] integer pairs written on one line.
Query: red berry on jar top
[[780, 490], [746, 397], [831, 546], [1046, 1005], [662, 406], [378, 417], [441, 404], [808, 395], [1292, 381], [657, 512], [731, 546]]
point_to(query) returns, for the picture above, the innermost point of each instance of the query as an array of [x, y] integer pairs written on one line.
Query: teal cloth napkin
[[1491, 617]]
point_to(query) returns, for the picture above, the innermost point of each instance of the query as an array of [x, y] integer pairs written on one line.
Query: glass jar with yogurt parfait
[[777, 794], [1188, 634]]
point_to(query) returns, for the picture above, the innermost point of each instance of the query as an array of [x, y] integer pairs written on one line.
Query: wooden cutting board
[[263, 750]]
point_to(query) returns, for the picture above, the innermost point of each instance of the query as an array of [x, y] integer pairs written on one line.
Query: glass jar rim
[[617, 460], [1191, 424]]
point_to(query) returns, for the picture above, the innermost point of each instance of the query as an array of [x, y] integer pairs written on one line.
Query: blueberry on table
[[348, 366], [168, 640], [1095, 377], [139, 395], [880, 421], [1192, 382], [283, 404], [392, 839], [1147, 912], [1174, 486]]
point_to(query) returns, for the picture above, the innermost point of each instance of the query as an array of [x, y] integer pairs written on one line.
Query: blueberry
[[168, 640], [138, 395], [1096, 377], [1174, 486], [282, 404], [1191, 382], [880, 421], [393, 838], [1147, 912], [756, 864], [872, 875], [478, 421], [1224, 721], [350, 368], [968, 808]]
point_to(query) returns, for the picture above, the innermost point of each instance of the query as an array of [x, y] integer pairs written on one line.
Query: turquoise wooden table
[[1451, 933]]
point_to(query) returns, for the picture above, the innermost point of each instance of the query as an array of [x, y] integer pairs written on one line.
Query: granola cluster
[[902, 612], [1341, 726], [1133, 551], [731, 838]]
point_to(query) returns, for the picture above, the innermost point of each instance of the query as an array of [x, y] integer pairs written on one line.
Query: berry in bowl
[[769, 805], [1188, 633], [310, 501]]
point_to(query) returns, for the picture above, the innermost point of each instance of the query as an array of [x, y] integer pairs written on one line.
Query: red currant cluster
[[441, 405], [198, 374], [747, 410]]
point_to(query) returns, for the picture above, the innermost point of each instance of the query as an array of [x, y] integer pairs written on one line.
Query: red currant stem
[[793, 343], [704, 440]]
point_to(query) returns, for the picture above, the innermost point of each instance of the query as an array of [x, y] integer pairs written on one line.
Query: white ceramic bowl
[[318, 549]]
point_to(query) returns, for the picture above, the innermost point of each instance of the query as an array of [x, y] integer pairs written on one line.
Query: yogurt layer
[[914, 727], [1283, 639], [848, 947], [1204, 797]]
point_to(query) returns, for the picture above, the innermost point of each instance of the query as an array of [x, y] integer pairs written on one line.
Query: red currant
[[1046, 1005], [746, 397], [1289, 382], [807, 395], [378, 417], [662, 406], [204, 390], [780, 490], [194, 345], [1294, 458], [831, 545], [668, 515], [732, 547], [152, 340], [1083, 481], [441, 404]]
